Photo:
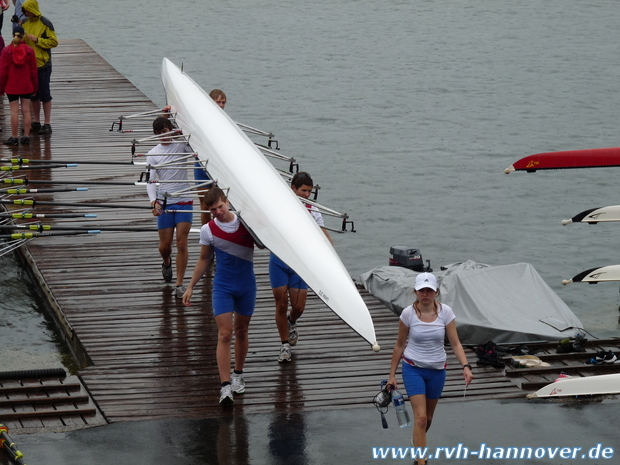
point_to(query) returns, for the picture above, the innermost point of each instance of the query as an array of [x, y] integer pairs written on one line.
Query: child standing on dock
[[234, 287], [286, 284], [164, 155], [19, 80], [422, 330]]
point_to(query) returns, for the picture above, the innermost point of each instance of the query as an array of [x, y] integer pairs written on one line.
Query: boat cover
[[509, 303]]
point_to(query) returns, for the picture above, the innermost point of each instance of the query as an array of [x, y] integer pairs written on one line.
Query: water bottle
[[401, 409]]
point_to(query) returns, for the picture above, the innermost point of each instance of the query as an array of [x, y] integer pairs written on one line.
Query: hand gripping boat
[[264, 201]]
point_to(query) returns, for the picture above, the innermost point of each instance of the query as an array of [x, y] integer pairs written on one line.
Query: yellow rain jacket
[[42, 28]]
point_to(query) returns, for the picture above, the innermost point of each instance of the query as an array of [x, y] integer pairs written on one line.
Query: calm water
[[406, 113]]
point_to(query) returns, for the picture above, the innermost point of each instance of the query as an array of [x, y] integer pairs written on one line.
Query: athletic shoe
[[600, 356], [179, 291], [24, 140], [238, 383], [610, 357], [35, 126], [13, 141], [226, 395], [45, 129], [292, 333], [166, 272], [285, 353]]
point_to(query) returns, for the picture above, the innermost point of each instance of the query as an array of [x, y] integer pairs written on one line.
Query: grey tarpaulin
[[509, 303]]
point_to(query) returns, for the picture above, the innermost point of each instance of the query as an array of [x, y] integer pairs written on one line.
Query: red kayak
[[570, 159]]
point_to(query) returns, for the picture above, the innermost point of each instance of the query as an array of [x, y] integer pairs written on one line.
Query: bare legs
[[25, 107], [226, 324], [166, 237], [423, 411], [47, 111], [298, 304]]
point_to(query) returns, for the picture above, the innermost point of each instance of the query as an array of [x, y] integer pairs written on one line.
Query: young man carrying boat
[[164, 155], [286, 284], [234, 287]]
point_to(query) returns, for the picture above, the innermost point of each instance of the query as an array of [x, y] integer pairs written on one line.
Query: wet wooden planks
[[150, 356], [47, 402]]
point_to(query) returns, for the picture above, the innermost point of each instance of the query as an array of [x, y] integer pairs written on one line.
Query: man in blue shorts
[[286, 284], [171, 180], [234, 287]]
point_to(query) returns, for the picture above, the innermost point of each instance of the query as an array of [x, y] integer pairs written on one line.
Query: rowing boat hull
[[608, 214], [570, 159], [587, 386], [262, 198], [601, 274]]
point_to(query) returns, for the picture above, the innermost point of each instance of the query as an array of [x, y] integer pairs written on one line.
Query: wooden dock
[[143, 355]]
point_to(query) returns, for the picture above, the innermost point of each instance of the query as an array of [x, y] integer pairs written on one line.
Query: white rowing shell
[[596, 215], [596, 275], [589, 385], [262, 198]]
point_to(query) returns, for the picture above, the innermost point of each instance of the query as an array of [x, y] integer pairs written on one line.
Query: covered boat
[[509, 303]]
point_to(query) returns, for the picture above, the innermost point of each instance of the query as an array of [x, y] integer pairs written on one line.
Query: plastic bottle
[[401, 409]]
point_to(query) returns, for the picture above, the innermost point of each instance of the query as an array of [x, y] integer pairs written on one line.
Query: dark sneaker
[[35, 126], [24, 140], [11, 141], [45, 129], [610, 357], [166, 272]]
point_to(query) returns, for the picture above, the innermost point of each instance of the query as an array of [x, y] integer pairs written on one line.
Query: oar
[[569, 159], [596, 275], [596, 215], [13, 245], [25, 181], [28, 216], [31, 235], [34, 203], [9, 445], [41, 191], [22, 161], [40, 227], [36, 167]]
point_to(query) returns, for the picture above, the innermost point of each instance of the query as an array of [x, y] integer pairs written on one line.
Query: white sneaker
[[226, 395], [179, 291], [285, 353], [292, 333], [237, 383]]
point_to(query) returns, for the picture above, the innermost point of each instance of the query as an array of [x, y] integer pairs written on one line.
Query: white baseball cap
[[426, 280]]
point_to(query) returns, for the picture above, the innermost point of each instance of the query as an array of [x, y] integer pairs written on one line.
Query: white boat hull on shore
[[587, 386], [262, 198]]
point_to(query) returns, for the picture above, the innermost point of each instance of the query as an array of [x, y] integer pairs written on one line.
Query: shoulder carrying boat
[[264, 201]]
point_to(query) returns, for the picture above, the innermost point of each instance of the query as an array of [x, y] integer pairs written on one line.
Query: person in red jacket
[[19, 80]]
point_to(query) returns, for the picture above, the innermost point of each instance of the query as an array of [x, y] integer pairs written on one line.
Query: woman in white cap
[[422, 330]]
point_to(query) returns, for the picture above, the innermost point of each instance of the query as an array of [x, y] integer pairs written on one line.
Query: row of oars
[[14, 182]]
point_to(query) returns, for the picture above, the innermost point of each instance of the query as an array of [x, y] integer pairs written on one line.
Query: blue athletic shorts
[[200, 174], [241, 301], [170, 220], [423, 381], [280, 274]]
